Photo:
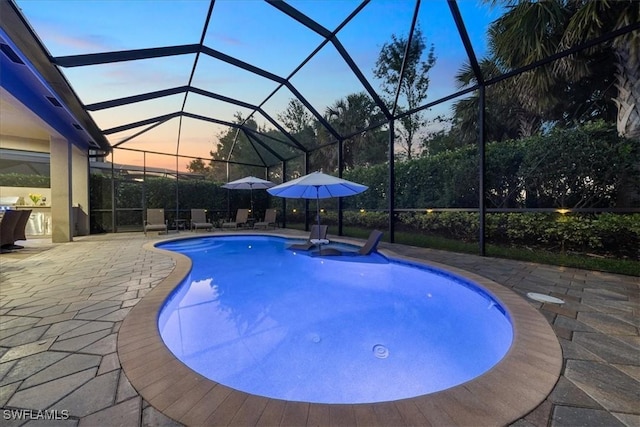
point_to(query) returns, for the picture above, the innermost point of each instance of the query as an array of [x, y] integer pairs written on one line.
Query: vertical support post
[[482, 171], [144, 188], [392, 181], [61, 190], [266, 177], [113, 193], [284, 199], [340, 169], [80, 191], [177, 194], [306, 201]]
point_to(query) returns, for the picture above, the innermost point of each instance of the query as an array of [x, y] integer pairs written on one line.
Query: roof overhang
[[30, 77]]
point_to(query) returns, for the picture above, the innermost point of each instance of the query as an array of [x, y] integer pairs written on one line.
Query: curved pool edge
[[505, 393]]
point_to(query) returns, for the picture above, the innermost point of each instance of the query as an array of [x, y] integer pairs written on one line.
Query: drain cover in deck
[[544, 298]]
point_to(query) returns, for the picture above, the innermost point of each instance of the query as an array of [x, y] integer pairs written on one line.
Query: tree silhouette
[[415, 82]]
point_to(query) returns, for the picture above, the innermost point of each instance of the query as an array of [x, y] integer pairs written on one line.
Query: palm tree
[[506, 114], [531, 31], [349, 115]]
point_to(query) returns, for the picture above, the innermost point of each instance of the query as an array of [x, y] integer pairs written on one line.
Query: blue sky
[[250, 30]]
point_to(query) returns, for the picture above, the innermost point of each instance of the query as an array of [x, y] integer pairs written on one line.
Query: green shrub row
[[606, 234], [589, 166]]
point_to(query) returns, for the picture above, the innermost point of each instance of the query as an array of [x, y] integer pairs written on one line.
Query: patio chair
[[369, 246], [155, 221], [242, 216], [19, 233], [372, 243], [7, 229], [269, 219], [199, 220], [317, 236]]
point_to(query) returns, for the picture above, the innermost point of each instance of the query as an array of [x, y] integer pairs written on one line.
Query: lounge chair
[[155, 221], [369, 246], [317, 236], [7, 229], [242, 216], [269, 219], [372, 243], [199, 220]]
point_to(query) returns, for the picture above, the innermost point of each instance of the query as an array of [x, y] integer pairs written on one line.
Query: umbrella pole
[[318, 214], [318, 219]]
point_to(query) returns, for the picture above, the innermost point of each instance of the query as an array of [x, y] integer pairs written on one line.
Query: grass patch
[[610, 265], [436, 242]]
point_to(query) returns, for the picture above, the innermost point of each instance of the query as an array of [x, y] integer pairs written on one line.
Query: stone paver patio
[[61, 307]]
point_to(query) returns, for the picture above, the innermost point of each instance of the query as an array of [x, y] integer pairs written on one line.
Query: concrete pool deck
[[62, 306]]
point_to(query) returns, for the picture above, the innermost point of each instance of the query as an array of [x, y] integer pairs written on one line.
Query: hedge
[[606, 234]]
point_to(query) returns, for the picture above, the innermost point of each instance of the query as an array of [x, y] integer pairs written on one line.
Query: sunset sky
[[250, 30]]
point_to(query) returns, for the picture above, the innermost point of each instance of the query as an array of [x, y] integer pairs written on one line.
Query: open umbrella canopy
[[248, 183], [316, 185]]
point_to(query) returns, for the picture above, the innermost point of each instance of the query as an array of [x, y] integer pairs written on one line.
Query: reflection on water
[[269, 321]]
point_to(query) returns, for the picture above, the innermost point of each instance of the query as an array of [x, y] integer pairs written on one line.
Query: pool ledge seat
[[317, 236], [369, 246]]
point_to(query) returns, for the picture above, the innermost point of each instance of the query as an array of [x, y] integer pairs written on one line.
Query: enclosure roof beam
[[251, 136], [327, 35], [322, 44], [181, 89], [233, 125], [241, 64], [145, 122], [593, 42], [137, 134], [161, 119], [191, 157], [123, 55], [313, 111], [158, 52], [324, 32], [252, 143], [273, 138], [363, 80], [497, 79], [464, 35], [97, 106], [294, 142], [407, 51]]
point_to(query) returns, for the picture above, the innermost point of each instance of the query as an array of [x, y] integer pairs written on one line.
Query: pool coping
[[505, 393]]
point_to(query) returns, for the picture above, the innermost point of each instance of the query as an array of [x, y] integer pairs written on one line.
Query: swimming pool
[[265, 320]]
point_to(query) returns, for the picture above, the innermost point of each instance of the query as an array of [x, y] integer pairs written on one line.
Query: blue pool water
[[260, 318]]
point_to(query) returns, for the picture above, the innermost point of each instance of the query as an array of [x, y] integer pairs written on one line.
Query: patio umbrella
[[317, 185], [249, 183]]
